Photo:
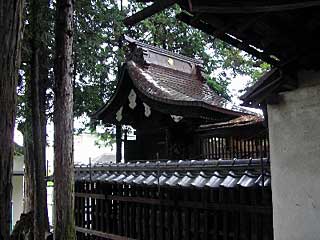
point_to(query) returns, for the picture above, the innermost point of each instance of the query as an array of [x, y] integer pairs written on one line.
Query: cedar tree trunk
[[63, 124], [28, 204], [11, 13], [40, 203]]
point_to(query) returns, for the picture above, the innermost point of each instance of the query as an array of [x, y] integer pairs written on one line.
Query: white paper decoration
[[147, 110], [176, 118], [119, 114]]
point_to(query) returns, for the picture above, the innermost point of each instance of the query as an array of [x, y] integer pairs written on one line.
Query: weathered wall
[[17, 198], [295, 161], [17, 188]]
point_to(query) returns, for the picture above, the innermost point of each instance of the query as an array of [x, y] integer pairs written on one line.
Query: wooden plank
[[102, 234], [153, 201], [250, 7], [90, 195], [76, 205], [82, 206], [114, 211], [153, 217], [93, 208], [254, 216], [175, 217], [158, 6], [88, 206], [120, 213], [193, 204], [223, 198], [108, 207], [222, 149], [209, 29], [103, 210], [126, 211], [187, 224], [205, 215]]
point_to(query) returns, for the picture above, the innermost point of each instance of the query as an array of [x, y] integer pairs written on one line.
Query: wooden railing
[[234, 147]]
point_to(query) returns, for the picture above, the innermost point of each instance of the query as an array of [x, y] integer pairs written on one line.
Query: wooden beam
[[90, 195], [207, 28], [156, 7], [118, 143], [102, 234], [253, 8], [192, 204]]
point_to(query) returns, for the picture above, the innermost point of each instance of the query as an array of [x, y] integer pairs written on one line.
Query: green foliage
[[97, 56], [98, 25]]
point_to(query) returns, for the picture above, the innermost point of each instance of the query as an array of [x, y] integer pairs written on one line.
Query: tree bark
[[40, 197], [39, 217], [43, 86], [28, 204], [63, 124], [10, 38]]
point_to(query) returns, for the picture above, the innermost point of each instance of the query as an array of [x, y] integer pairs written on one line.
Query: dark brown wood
[[118, 142], [63, 123], [233, 147], [156, 7], [40, 205], [28, 203], [102, 234], [10, 48], [192, 21], [90, 195], [179, 213], [244, 7]]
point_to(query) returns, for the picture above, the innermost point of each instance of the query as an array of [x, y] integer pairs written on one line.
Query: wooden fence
[[112, 210], [234, 147]]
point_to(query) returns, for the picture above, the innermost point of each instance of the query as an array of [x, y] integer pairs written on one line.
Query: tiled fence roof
[[194, 173]]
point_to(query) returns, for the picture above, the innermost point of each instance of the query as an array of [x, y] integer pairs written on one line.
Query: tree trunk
[[10, 39], [63, 124], [39, 217], [43, 86], [28, 204], [40, 199]]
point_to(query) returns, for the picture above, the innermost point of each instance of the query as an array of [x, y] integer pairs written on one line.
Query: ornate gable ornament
[[136, 54]]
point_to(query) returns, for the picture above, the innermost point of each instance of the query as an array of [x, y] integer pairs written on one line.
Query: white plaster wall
[[18, 163], [17, 188], [17, 198], [294, 127]]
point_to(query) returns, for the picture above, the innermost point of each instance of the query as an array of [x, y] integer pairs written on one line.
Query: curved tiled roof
[[178, 87], [244, 120], [199, 174], [168, 81]]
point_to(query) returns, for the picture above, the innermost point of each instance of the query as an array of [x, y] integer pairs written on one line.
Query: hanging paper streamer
[[176, 118], [147, 110], [119, 114]]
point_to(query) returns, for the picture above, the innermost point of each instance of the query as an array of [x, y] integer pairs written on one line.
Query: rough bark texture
[[40, 203], [39, 218], [10, 41], [43, 86], [23, 230], [28, 204], [63, 124]]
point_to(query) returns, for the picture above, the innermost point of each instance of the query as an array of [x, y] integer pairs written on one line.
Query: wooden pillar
[[125, 146], [119, 143], [168, 144]]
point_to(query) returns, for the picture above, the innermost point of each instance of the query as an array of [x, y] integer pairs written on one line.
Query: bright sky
[[85, 147], [236, 84]]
